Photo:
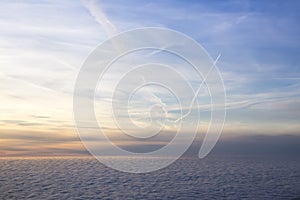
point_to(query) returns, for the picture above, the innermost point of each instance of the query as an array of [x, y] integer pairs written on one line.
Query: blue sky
[[44, 43]]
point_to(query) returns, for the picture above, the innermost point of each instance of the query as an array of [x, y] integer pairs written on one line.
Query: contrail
[[95, 10], [199, 88], [99, 15]]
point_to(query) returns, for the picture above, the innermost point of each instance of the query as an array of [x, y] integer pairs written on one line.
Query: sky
[[43, 45]]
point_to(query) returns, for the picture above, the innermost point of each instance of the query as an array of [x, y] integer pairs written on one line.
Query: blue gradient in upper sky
[[259, 46]]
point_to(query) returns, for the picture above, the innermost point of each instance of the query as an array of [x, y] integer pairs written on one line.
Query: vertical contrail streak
[[99, 15], [96, 11]]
